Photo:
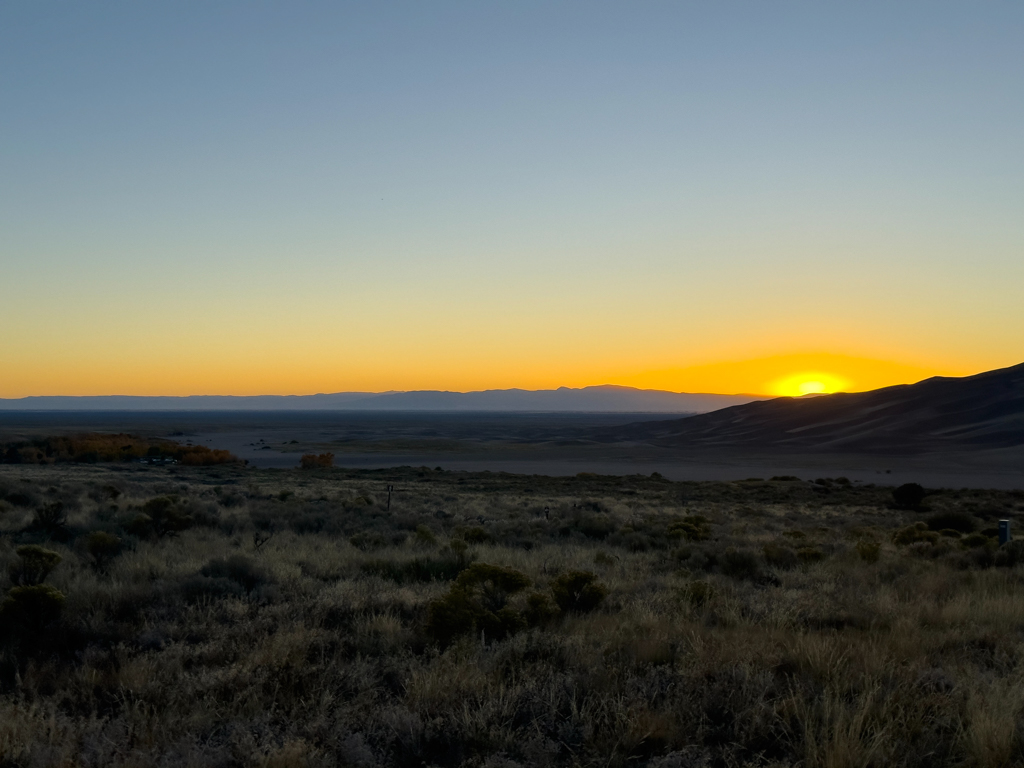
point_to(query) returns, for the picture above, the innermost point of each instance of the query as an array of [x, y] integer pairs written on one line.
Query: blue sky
[[395, 195]]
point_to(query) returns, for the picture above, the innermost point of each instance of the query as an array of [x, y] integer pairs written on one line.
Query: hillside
[[599, 399], [941, 413]]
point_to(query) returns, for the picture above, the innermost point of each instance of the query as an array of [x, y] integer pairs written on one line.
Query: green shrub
[[810, 555], [424, 536], [913, 534], [452, 615], [961, 522], [34, 564], [198, 588], [160, 517], [598, 526], [540, 609], [631, 540], [51, 518], [683, 553], [31, 608], [604, 559], [740, 563], [691, 528], [578, 591], [975, 540], [229, 498], [368, 542], [493, 582], [478, 602], [698, 593], [141, 525], [780, 556], [1010, 554], [909, 496], [20, 498], [869, 550], [102, 548], [242, 570], [474, 535], [420, 569], [701, 559], [981, 557]]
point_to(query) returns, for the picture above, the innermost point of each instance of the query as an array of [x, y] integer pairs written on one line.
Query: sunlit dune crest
[[809, 383], [812, 388]]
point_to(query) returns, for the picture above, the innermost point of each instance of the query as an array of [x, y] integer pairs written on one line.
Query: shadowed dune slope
[[941, 413]]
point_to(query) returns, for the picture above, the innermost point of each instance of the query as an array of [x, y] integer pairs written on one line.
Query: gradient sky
[[252, 197]]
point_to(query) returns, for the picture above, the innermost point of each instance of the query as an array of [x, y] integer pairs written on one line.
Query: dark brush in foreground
[[220, 616]]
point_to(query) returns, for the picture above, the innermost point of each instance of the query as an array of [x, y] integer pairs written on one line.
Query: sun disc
[[811, 388], [808, 383]]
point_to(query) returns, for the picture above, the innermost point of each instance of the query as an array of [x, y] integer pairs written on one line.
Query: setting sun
[[811, 388], [810, 383]]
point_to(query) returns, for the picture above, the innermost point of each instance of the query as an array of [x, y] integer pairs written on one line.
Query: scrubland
[[227, 616]]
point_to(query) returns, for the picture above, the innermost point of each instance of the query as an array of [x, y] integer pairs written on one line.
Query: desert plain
[[451, 612]]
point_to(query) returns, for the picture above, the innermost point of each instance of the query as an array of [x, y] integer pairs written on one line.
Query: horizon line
[[369, 393]]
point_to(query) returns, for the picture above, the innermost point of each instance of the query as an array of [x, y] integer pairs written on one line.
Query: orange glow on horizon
[[783, 375], [791, 375]]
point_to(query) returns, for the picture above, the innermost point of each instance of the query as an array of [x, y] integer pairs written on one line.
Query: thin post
[[390, 489], [1004, 532]]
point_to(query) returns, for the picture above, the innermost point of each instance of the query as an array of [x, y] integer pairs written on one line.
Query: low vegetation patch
[[219, 615], [92, 448]]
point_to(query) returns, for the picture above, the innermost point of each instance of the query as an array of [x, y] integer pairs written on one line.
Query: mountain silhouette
[[596, 399], [942, 413]]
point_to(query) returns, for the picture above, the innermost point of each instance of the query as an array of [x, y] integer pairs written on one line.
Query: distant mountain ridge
[[981, 411], [596, 399]]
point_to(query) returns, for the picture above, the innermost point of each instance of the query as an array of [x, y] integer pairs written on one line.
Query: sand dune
[[938, 414]]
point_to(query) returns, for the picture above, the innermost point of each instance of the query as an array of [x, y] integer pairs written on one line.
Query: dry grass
[[774, 641]]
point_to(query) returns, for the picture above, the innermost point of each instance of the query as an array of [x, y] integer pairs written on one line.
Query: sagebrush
[[231, 616]]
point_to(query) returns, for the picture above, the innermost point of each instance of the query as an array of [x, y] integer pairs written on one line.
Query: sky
[[288, 198]]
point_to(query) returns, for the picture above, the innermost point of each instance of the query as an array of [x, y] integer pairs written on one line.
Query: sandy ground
[[1001, 469]]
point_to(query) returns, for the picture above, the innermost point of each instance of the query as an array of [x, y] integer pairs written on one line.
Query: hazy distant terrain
[[600, 399], [966, 432]]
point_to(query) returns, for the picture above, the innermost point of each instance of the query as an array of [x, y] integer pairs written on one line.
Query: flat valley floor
[[544, 444]]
